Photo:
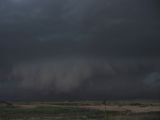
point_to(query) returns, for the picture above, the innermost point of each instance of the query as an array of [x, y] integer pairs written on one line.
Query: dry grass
[[125, 108], [82, 110]]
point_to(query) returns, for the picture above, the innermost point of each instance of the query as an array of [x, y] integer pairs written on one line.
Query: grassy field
[[83, 110]]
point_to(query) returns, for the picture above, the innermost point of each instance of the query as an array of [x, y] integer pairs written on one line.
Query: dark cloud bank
[[79, 49]]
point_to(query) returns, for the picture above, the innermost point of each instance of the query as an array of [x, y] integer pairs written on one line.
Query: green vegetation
[[71, 111], [52, 112]]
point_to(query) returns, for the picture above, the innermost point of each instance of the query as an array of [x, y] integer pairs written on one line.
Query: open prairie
[[82, 110]]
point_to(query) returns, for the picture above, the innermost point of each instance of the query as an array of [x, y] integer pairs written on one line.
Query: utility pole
[[105, 110]]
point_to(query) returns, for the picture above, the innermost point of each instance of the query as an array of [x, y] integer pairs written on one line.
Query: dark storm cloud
[[86, 46], [84, 77], [73, 26]]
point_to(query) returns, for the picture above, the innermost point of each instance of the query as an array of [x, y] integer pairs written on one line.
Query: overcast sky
[[79, 48]]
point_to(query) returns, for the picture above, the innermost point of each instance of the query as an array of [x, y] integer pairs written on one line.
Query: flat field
[[81, 110]]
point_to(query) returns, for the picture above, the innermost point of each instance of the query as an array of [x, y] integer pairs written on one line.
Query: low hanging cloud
[[57, 75], [64, 75], [153, 79]]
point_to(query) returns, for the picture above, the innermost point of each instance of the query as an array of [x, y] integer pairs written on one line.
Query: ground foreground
[[83, 110]]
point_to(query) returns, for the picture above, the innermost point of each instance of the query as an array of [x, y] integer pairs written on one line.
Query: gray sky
[[102, 48]]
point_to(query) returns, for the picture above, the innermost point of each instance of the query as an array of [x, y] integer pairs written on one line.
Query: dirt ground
[[125, 108]]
